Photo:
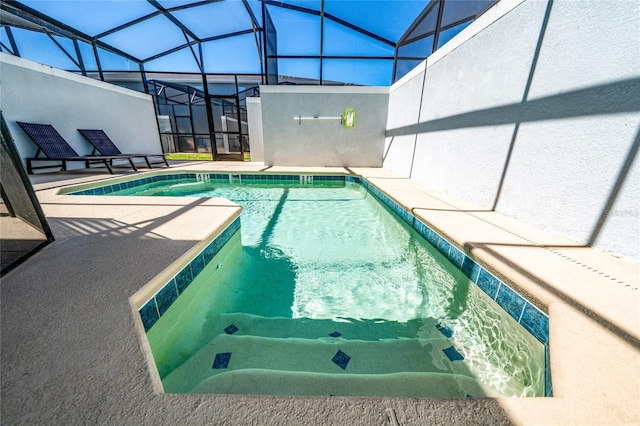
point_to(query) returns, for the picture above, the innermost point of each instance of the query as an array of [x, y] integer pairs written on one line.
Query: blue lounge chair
[[55, 148], [103, 145]]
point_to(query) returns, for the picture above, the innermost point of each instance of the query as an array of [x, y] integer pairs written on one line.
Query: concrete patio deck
[[71, 348]]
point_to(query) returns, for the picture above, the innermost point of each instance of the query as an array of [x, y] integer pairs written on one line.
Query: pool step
[[227, 353], [190, 341], [408, 385], [307, 328]]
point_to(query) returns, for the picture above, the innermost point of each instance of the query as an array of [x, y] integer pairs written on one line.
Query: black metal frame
[[205, 98], [107, 162], [54, 27]]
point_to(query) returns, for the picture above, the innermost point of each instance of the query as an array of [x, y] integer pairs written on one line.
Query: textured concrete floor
[[17, 240], [71, 350]]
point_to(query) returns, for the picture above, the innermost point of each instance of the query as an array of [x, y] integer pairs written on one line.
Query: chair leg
[[133, 166], [146, 159], [106, 163]]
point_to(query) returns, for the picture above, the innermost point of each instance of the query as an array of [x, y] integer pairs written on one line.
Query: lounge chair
[[103, 145], [55, 148]]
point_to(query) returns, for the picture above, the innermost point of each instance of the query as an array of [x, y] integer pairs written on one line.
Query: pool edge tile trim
[[183, 278], [478, 274]]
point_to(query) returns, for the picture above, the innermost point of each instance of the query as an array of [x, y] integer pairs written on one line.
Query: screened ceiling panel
[[404, 66], [237, 55], [40, 48], [417, 48], [147, 38], [386, 18], [342, 41], [180, 61], [366, 72], [4, 40], [67, 46], [450, 33], [256, 9], [215, 19], [457, 10], [352, 42], [307, 4], [88, 56], [92, 17], [301, 68], [298, 33], [426, 26], [168, 4], [111, 62]]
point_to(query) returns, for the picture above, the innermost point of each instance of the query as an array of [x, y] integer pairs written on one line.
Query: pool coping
[[588, 314]]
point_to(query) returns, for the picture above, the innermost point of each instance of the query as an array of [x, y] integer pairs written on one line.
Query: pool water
[[326, 292]]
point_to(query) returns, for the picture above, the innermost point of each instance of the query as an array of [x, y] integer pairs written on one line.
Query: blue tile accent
[[548, 385], [423, 229], [221, 360], [510, 301], [453, 354], [184, 278], [165, 297], [231, 329], [456, 257], [470, 268], [448, 332], [335, 334], [535, 322], [208, 253], [197, 265], [149, 314], [443, 247], [341, 359], [488, 283], [189, 272]]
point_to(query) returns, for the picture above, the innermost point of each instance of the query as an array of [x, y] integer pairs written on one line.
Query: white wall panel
[[36, 93], [535, 113]]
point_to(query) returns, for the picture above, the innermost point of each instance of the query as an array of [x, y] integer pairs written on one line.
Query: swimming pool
[[326, 292]]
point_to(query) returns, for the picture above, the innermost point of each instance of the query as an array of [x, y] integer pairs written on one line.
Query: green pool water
[[323, 270]]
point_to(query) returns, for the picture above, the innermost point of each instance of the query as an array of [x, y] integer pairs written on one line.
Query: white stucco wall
[[535, 112], [323, 142], [36, 93], [254, 118]]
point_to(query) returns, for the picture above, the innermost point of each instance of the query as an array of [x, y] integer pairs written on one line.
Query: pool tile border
[[529, 316], [535, 322], [208, 177], [151, 311], [518, 307]]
